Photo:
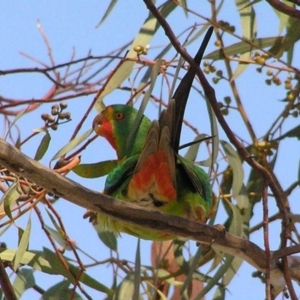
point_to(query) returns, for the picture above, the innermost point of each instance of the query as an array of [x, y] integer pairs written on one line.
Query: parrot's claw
[[221, 229], [92, 216]]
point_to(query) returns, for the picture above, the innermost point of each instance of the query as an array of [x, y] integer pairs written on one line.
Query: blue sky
[[71, 25]]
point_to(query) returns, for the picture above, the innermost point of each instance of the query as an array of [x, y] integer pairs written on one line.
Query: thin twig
[[266, 241]]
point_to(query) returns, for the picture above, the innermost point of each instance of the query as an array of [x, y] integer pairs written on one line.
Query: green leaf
[[95, 170], [183, 5], [90, 281], [249, 28], [137, 272], [232, 271], [52, 265], [108, 239], [56, 235], [107, 12], [121, 73], [178, 254], [242, 198], [43, 147], [147, 74], [161, 295], [9, 199], [143, 38], [34, 260], [168, 277], [194, 264], [56, 265], [23, 245], [125, 289], [5, 228], [56, 226], [236, 222], [24, 280], [175, 78], [243, 47], [18, 116], [282, 17], [295, 132], [237, 168], [192, 152], [288, 43], [219, 274], [72, 272], [150, 26], [61, 291], [154, 73], [219, 293], [215, 133], [72, 144], [255, 185]]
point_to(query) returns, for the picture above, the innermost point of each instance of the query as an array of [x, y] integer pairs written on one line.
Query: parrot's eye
[[119, 116]]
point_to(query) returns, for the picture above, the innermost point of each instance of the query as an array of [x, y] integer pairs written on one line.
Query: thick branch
[[18, 163]]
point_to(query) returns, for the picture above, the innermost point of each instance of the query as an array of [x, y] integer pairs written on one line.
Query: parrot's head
[[115, 123]]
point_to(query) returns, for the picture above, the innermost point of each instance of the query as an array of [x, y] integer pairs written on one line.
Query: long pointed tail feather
[[183, 90]]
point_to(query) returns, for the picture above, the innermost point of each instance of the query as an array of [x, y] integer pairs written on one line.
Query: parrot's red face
[[115, 122], [103, 124]]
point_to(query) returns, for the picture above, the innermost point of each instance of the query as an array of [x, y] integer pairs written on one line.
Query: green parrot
[[151, 173]]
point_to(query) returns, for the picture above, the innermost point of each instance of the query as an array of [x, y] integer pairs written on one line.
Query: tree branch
[[18, 163], [285, 9]]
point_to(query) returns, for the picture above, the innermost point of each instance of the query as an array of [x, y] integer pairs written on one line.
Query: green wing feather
[[117, 180]]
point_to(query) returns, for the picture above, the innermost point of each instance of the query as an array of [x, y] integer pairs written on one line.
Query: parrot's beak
[[97, 123]]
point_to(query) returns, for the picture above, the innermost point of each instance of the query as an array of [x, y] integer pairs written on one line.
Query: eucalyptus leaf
[[23, 245], [237, 168], [95, 170], [72, 144], [249, 29], [137, 271], [133, 132], [108, 239], [9, 199], [43, 146], [125, 289], [219, 274], [24, 280], [243, 47], [107, 12]]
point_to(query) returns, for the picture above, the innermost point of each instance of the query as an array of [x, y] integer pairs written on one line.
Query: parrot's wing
[[118, 178], [198, 178]]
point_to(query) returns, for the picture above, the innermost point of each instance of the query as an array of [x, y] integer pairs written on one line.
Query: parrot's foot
[[221, 229], [92, 216]]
